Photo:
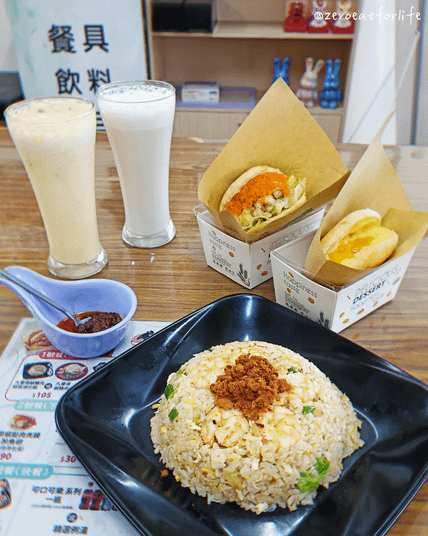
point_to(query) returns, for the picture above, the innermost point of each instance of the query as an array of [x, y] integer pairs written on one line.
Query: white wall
[[372, 82], [7, 54], [421, 134], [382, 48], [406, 97]]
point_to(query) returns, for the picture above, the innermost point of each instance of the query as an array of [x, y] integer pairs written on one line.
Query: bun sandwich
[[37, 340], [359, 240], [261, 195]]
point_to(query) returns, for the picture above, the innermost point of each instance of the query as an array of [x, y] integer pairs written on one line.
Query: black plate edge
[[66, 433], [396, 513], [202, 530], [378, 362]]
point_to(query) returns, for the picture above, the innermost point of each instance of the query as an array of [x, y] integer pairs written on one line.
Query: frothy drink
[[56, 141], [138, 118]]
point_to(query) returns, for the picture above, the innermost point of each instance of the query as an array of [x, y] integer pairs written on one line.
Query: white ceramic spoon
[[42, 297]]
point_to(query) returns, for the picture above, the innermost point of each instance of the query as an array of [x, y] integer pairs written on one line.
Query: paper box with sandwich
[[355, 261], [278, 167]]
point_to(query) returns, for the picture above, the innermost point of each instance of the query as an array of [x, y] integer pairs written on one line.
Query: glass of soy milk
[[55, 138], [138, 117]]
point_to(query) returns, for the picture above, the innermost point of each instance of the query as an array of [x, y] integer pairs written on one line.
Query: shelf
[[222, 123], [247, 37], [317, 110], [232, 98], [242, 107], [249, 30]]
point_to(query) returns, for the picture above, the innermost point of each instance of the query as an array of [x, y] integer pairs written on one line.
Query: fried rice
[[276, 456]]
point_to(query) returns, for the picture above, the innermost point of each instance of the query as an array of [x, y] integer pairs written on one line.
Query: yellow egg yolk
[[350, 248]]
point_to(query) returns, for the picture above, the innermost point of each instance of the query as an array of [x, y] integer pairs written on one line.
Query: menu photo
[[43, 487]]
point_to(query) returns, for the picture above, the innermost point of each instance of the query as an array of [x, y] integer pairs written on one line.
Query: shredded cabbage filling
[[273, 204]]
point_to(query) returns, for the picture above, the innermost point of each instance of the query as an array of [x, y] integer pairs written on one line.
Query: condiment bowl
[[77, 297]]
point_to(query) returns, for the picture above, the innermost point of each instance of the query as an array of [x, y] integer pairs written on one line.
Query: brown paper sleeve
[[372, 184], [281, 133]]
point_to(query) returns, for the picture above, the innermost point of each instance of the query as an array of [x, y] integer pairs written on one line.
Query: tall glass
[[55, 138], [138, 117]]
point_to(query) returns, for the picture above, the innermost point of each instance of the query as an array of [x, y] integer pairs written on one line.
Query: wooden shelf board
[[316, 110], [248, 30]]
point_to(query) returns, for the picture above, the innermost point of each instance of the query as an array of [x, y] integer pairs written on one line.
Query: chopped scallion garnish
[[309, 481], [173, 414], [169, 391]]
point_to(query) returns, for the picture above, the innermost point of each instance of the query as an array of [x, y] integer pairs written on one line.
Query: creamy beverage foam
[[139, 122], [57, 149]]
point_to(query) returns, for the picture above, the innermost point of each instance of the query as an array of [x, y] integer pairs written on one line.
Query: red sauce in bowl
[[100, 321]]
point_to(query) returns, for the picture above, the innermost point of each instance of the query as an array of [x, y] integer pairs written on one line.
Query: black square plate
[[105, 420]]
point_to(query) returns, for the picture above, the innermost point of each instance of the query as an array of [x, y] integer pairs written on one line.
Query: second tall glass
[[138, 117]]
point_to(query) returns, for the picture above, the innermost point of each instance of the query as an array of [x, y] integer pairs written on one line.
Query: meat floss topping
[[251, 385]]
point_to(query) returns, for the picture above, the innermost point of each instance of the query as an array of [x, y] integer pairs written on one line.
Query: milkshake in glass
[[55, 138], [138, 117]]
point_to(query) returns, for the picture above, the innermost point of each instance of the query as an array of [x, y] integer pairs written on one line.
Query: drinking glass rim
[[24, 102], [101, 89]]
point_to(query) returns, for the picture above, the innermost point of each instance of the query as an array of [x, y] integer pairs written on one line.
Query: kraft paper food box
[[336, 295], [280, 133], [247, 264]]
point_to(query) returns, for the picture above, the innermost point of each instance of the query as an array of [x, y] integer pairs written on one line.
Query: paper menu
[[43, 488]]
